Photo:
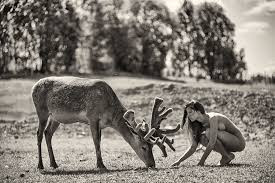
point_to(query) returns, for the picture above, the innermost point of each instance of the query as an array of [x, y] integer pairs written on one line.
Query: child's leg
[[231, 142]]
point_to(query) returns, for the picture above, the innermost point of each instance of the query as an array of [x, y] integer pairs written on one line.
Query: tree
[[218, 47], [5, 43], [110, 35], [185, 33], [58, 30], [18, 43], [119, 43], [38, 34], [98, 43], [152, 24]]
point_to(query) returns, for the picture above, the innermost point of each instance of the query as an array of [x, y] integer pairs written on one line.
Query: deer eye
[[191, 112], [143, 148]]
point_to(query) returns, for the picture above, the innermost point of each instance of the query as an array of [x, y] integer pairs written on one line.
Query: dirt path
[[76, 157]]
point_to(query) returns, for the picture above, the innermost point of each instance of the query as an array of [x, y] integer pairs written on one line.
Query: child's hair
[[195, 128]]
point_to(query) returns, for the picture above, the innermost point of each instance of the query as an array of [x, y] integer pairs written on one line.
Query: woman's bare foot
[[227, 160]]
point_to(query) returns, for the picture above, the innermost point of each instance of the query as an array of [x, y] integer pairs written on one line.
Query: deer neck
[[124, 130]]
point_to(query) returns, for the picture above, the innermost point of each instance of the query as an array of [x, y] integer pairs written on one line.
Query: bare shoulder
[[217, 116]]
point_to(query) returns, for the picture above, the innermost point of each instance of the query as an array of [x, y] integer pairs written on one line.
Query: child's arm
[[187, 153], [212, 139]]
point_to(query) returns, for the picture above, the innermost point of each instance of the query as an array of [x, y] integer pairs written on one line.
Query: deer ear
[[129, 115]]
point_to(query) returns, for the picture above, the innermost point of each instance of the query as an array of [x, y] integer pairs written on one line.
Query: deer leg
[[96, 133], [42, 116], [51, 128]]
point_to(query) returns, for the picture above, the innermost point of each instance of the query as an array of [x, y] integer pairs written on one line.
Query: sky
[[254, 31]]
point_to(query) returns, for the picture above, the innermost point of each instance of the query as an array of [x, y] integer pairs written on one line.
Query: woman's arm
[[213, 132], [187, 153]]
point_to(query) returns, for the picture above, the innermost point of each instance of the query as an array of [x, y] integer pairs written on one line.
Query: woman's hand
[[177, 163]]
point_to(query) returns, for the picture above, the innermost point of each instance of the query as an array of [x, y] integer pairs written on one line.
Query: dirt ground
[[252, 111], [76, 159]]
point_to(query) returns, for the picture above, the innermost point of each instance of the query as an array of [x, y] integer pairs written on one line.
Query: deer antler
[[146, 133], [151, 132], [157, 117]]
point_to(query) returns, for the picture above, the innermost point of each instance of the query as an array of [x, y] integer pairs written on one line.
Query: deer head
[[151, 133], [142, 148]]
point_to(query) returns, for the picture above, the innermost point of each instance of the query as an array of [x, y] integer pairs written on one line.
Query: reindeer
[[70, 99]]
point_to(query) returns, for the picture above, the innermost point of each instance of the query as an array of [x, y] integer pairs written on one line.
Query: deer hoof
[[102, 169], [101, 166], [40, 166], [54, 165]]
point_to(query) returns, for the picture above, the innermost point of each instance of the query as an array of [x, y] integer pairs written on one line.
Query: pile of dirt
[[252, 112]]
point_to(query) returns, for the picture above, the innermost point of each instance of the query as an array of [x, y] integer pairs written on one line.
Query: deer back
[[71, 98]]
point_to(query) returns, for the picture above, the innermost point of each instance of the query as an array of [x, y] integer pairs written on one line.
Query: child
[[214, 131]]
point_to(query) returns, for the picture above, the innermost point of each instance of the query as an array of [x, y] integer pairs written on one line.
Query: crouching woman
[[214, 131]]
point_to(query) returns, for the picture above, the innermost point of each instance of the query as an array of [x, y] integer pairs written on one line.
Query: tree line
[[42, 36]]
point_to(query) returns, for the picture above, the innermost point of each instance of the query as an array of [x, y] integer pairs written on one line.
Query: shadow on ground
[[232, 165], [94, 171]]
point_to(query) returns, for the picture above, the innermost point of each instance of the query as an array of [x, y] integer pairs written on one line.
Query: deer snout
[[151, 165]]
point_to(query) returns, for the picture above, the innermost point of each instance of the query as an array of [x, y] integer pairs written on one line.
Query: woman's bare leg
[[219, 147], [231, 142]]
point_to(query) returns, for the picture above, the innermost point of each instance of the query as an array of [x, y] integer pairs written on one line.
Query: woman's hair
[[195, 128]]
